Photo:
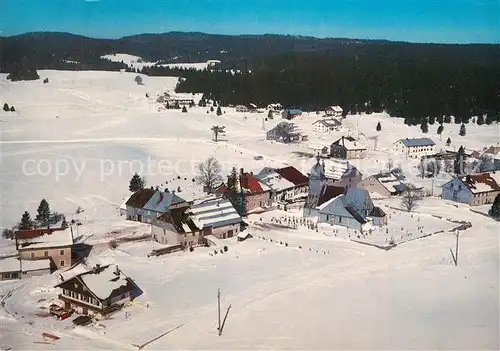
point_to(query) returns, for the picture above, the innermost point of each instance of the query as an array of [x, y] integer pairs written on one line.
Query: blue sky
[[443, 21]]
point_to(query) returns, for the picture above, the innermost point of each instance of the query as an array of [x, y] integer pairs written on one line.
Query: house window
[[45, 254], [61, 252], [32, 255], [76, 285], [61, 263]]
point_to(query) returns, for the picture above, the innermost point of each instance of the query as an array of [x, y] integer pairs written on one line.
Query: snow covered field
[[137, 62], [77, 140]]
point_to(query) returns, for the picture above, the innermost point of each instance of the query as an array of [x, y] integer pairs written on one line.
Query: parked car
[[82, 320]]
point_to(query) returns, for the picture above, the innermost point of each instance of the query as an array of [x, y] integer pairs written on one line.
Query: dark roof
[[377, 212], [328, 192], [417, 142], [140, 198], [355, 214], [293, 175], [472, 180], [177, 218], [34, 233], [249, 182]]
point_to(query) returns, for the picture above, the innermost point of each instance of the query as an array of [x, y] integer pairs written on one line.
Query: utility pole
[[454, 256], [218, 309]]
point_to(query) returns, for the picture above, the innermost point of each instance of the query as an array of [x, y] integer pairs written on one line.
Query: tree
[[411, 199], [6, 107], [286, 131], [379, 127], [46, 80], [235, 193], [219, 111], [12, 109], [43, 212], [462, 130], [26, 222], [218, 130], [390, 164], [211, 109], [424, 126], [440, 129], [136, 183], [8, 233], [448, 141], [480, 120], [459, 163], [184, 109], [433, 167], [422, 167], [447, 119], [432, 119], [495, 208], [138, 80], [209, 173], [270, 114]]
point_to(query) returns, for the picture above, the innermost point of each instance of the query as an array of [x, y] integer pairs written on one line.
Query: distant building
[[241, 108], [175, 227], [135, 204], [286, 132], [15, 268], [326, 125], [347, 148], [414, 148], [291, 113], [160, 203], [383, 184], [98, 292], [46, 244], [286, 184], [474, 189], [334, 111]]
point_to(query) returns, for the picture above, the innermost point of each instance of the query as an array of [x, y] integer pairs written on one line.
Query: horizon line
[[251, 35]]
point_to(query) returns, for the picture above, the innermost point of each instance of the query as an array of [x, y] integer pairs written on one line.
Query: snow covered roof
[[480, 183], [104, 281], [389, 181], [13, 264], [335, 108], [59, 238], [214, 212], [274, 181], [160, 201], [350, 143], [325, 204], [10, 264], [413, 142], [328, 122]]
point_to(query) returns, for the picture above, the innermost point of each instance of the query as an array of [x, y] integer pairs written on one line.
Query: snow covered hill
[[137, 62]]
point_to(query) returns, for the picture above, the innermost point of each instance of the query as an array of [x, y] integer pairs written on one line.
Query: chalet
[[474, 189], [291, 113], [334, 111], [285, 132], [216, 216], [241, 108], [175, 227], [323, 126], [353, 209], [286, 184], [383, 184], [43, 244], [98, 292], [178, 99], [15, 268], [160, 203], [347, 148], [414, 148], [136, 202]]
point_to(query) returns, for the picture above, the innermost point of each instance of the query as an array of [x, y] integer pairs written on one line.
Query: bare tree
[[138, 80], [422, 167], [390, 164], [448, 166], [218, 130], [209, 173], [433, 167], [411, 199]]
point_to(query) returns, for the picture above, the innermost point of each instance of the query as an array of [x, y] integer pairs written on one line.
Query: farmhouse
[[160, 203], [353, 210], [414, 148], [347, 148], [15, 268], [257, 195], [54, 245], [135, 204], [99, 291], [175, 227], [383, 184], [178, 99], [216, 216], [291, 113], [286, 184], [474, 189], [334, 111], [326, 125]]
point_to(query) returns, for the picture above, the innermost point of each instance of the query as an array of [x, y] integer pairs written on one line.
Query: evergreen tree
[[432, 119], [448, 142], [462, 130], [440, 129], [43, 212], [480, 120], [459, 163], [447, 119], [211, 109], [184, 109], [440, 119], [270, 114], [219, 111], [424, 127], [12, 109], [379, 127], [495, 208], [26, 222], [136, 183], [6, 107]]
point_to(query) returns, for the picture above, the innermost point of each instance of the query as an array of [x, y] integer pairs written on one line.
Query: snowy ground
[[137, 62], [77, 140]]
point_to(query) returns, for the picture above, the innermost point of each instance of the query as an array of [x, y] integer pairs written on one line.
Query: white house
[[322, 126], [347, 148], [334, 111], [474, 189], [175, 227], [415, 147], [383, 184]]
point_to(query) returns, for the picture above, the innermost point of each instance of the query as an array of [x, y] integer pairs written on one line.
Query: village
[[327, 187]]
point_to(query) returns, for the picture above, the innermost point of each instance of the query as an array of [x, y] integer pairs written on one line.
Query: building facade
[[475, 189], [415, 147]]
